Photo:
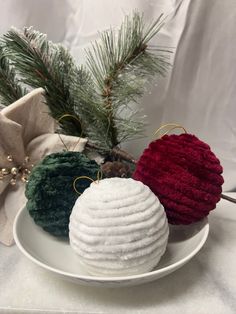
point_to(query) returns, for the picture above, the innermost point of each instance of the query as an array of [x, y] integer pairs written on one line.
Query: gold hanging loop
[[68, 115], [170, 126], [99, 178]]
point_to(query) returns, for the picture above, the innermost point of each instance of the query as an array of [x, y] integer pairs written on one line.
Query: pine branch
[[10, 87], [69, 89], [44, 64], [121, 66], [93, 116]]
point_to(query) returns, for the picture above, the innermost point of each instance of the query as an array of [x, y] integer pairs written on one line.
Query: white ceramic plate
[[57, 256]]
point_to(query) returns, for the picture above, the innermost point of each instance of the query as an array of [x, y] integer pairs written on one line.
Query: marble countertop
[[207, 284]]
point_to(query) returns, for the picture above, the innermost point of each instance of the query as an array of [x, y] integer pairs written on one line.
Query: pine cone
[[116, 169]]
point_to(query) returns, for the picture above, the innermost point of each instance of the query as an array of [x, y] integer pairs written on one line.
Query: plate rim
[[173, 266]]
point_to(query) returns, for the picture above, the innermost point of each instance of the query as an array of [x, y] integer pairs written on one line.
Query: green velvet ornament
[[50, 191]]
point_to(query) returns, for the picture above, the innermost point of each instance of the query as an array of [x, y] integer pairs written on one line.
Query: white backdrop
[[199, 92]]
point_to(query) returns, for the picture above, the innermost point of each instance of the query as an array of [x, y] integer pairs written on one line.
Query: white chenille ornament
[[118, 227]]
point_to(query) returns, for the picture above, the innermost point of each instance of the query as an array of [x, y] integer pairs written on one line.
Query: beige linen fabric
[[26, 129]]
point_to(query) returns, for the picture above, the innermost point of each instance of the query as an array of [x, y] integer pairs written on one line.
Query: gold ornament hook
[[99, 177], [172, 126], [68, 115]]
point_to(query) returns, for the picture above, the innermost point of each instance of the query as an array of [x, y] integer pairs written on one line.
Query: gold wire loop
[[68, 115], [172, 126], [79, 178], [99, 177]]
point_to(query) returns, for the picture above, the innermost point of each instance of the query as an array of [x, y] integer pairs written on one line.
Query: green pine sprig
[[121, 64], [40, 63], [10, 87]]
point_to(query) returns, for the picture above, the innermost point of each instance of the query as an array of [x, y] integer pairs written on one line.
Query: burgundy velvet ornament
[[184, 174]]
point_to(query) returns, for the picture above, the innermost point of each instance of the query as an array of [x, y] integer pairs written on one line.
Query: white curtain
[[199, 91]]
